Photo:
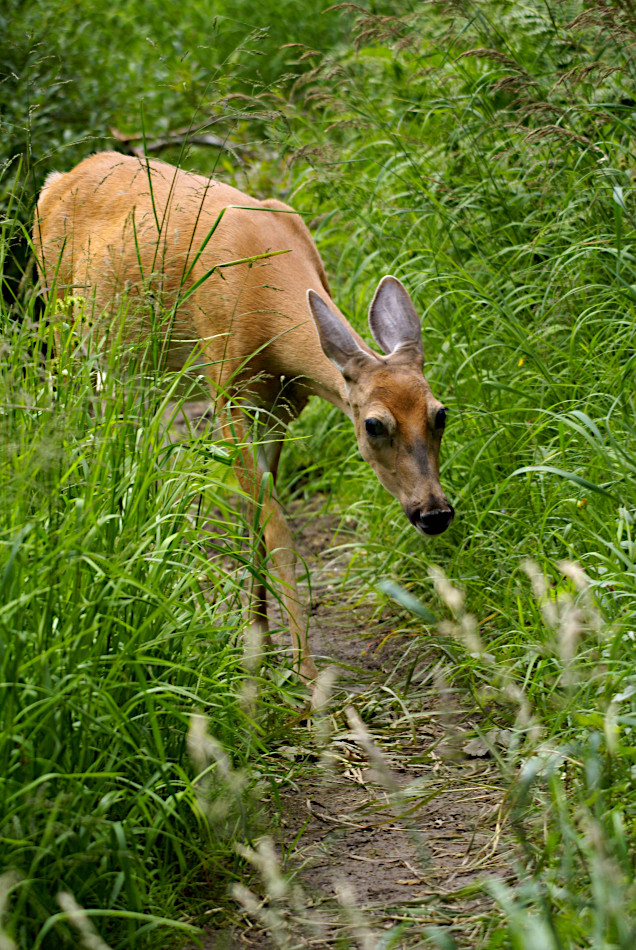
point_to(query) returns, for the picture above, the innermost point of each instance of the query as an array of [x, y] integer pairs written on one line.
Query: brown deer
[[241, 281]]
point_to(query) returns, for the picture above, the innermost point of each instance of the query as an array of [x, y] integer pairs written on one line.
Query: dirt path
[[375, 845]]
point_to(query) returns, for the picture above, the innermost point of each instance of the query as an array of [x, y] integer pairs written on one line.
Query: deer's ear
[[393, 319], [336, 340]]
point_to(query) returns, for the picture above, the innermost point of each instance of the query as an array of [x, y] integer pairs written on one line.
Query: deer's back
[[163, 245]]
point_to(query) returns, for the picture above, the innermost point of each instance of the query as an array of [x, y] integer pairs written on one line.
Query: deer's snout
[[432, 522]]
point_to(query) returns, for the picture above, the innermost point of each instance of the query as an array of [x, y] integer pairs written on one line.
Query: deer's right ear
[[393, 319], [336, 340]]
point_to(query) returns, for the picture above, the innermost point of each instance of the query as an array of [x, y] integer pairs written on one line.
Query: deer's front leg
[[278, 543]]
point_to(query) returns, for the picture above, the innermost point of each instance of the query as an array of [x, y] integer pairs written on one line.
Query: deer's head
[[398, 422]]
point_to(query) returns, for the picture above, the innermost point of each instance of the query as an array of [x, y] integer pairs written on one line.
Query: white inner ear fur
[[393, 319]]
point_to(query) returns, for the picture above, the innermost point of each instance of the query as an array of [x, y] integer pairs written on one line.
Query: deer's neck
[[331, 386]]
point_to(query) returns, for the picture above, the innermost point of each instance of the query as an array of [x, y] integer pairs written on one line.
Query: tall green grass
[[121, 577], [483, 152], [124, 565], [515, 237]]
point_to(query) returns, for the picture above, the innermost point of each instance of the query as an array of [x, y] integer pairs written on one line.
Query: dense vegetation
[[484, 153]]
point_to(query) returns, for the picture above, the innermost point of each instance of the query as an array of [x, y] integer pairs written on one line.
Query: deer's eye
[[374, 428], [440, 419]]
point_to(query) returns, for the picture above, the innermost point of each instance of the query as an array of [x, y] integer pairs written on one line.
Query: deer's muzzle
[[432, 522]]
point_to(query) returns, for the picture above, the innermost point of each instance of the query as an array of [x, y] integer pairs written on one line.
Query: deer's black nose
[[433, 522]]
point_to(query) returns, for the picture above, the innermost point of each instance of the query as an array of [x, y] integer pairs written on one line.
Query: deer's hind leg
[[268, 456], [257, 477]]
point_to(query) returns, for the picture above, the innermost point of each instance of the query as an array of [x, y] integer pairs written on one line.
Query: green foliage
[[514, 233], [483, 153], [119, 616]]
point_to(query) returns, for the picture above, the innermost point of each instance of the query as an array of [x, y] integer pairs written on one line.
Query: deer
[[241, 282]]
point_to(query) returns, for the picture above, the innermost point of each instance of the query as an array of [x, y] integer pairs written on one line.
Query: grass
[[121, 616], [483, 153], [468, 160]]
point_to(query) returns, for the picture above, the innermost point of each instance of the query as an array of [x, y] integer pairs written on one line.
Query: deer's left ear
[[337, 343], [393, 319]]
